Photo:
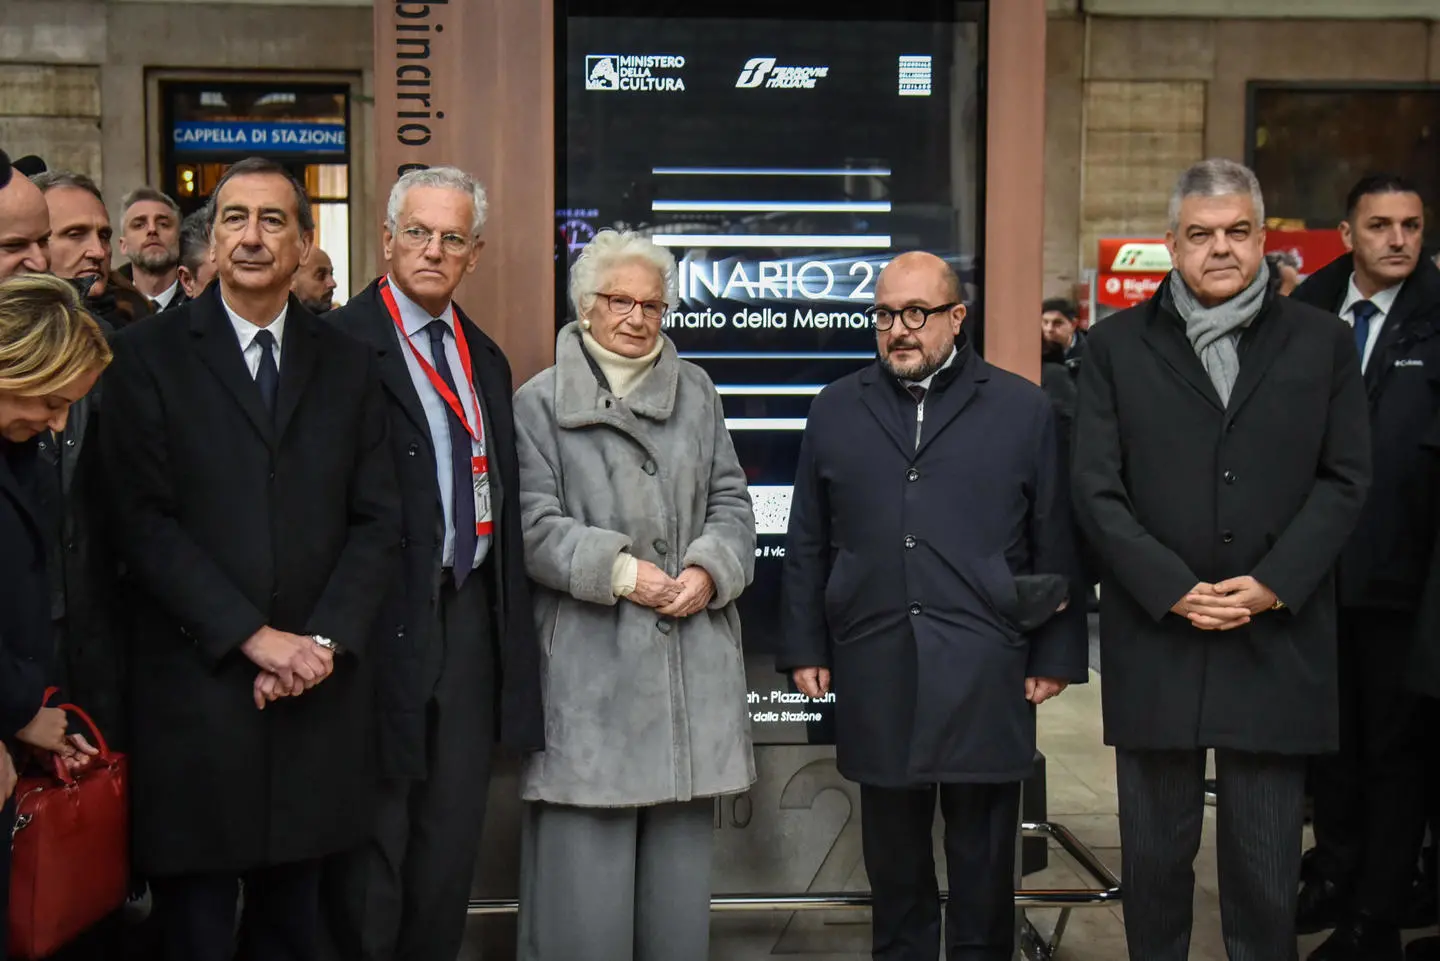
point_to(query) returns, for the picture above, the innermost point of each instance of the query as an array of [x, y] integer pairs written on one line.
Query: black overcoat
[[231, 520], [407, 632], [1171, 490], [25, 637], [1384, 562], [899, 571]]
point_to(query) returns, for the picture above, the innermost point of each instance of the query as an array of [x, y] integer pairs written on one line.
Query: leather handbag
[[70, 849]]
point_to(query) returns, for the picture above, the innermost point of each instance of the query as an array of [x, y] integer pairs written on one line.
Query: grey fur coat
[[639, 709]]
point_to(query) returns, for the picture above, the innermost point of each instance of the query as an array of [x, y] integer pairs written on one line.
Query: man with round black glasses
[[929, 555]]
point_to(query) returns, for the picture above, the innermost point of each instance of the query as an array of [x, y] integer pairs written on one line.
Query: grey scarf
[[1214, 332]]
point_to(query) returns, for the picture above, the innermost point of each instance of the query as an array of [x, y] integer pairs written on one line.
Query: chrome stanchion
[[1106, 891]]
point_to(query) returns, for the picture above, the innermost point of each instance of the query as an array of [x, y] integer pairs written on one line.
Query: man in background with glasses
[[457, 663], [929, 551]]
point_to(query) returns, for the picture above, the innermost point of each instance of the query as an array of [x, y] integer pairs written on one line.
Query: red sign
[[1130, 270], [1313, 248]]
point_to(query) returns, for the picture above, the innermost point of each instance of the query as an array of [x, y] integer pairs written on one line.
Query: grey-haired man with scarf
[[1222, 456]]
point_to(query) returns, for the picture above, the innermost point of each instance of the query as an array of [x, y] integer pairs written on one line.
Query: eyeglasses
[[883, 318], [418, 238], [620, 305]]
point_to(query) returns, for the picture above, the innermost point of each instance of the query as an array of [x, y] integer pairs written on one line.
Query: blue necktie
[[462, 476], [1363, 312], [267, 376]]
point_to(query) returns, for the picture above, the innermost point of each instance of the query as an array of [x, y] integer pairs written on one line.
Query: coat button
[[69, 442], [909, 541], [661, 547], [912, 475], [413, 450], [914, 610], [649, 467], [404, 543], [1227, 536], [70, 546], [400, 631], [664, 626], [1229, 477]]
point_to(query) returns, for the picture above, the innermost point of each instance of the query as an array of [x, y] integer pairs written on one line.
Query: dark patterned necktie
[[461, 474], [1363, 312]]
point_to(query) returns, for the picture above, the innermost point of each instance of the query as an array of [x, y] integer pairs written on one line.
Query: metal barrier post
[[1106, 891]]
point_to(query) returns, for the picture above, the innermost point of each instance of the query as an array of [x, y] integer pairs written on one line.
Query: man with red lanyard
[[457, 661]]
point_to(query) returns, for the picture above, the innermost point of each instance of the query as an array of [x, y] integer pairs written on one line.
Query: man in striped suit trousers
[[1222, 455]]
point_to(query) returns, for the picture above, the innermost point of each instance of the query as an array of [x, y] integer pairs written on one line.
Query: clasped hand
[[672, 596], [290, 664], [1226, 605]]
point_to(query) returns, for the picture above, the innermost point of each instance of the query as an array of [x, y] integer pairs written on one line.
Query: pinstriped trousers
[[1260, 815]]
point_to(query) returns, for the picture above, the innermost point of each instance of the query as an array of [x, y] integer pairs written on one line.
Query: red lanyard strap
[[446, 394]]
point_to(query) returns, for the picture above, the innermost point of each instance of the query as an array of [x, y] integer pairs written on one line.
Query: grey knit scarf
[[1214, 332]]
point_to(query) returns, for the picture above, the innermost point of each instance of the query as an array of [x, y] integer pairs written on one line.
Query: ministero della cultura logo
[[763, 71], [640, 73]]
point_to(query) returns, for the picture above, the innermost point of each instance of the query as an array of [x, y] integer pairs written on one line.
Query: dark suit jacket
[[1384, 562], [407, 631], [1173, 489], [900, 571], [230, 520], [25, 644]]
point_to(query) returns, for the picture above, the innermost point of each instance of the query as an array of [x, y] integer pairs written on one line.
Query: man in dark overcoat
[[1222, 456], [1369, 797], [246, 445], [927, 484], [455, 640]]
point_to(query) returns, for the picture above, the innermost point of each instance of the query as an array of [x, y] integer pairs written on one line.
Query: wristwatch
[[326, 643], [1279, 605]]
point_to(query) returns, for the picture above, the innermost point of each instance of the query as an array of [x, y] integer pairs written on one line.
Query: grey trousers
[[1260, 814], [616, 884]]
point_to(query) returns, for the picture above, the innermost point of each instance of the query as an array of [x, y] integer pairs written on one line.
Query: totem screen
[[783, 162]]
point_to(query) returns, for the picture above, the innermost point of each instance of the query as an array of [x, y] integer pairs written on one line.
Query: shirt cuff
[[623, 574]]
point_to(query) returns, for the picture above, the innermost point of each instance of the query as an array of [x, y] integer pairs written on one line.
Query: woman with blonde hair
[[51, 354], [640, 537]]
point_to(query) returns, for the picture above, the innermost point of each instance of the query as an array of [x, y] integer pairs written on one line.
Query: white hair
[[609, 249], [1216, 177], [450, 178]]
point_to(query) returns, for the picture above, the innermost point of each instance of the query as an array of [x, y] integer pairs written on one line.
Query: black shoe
[[1322, 905], [1361, 939], [1423, 949]]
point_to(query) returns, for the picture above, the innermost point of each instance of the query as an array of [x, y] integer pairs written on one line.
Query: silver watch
[[326, 643]]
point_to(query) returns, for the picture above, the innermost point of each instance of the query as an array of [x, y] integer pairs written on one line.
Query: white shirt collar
[[166, 296], [954, 352], [246, 331], [1383, 299], [413, 317]]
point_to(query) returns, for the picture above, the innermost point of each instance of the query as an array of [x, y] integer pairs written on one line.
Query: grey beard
[[156, 264], [927, 365]]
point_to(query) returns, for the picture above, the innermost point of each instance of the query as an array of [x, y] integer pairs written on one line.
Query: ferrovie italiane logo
[[760, 71], [1141, 258]]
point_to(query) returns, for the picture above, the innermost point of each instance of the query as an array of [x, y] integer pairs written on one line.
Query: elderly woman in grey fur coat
[[639, 536]]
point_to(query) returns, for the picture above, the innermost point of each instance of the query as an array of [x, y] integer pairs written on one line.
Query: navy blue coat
[[900, 564], [1384, 562]]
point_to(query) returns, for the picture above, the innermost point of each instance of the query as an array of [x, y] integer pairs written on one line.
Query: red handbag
[[70, 850]]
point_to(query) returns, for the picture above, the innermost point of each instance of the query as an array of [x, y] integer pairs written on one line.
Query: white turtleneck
[[624, 374]]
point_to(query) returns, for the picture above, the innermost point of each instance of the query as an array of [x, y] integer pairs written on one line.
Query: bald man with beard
[[928, 557]]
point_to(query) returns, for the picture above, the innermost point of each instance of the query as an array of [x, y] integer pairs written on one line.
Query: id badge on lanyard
[[479, 465]]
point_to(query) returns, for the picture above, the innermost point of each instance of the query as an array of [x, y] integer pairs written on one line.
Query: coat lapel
[[943, 406], [298, 354], [219, 348], [1271, 335], [581, 402], [10, 487], [1167, 338], [887, 406]]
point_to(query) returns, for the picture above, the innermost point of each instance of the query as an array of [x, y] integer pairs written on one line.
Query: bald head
[[314, 281], [24, 229], [923, 265], [917, 314]]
